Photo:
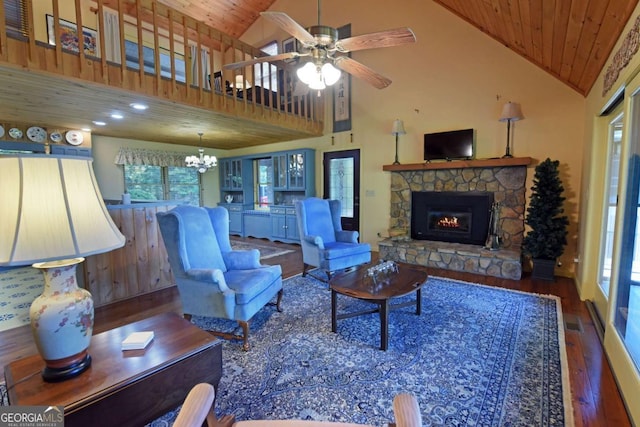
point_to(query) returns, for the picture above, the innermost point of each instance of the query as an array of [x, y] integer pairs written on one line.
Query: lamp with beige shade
[[51, 216]]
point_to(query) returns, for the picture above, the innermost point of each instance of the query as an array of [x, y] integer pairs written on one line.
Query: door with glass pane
[[627, 301], [342, 182], [614, 143]]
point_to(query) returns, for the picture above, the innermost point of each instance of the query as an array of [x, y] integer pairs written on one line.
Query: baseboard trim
[[597, 320]]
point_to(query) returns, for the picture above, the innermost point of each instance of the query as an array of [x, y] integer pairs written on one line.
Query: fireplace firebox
[[451, 216]]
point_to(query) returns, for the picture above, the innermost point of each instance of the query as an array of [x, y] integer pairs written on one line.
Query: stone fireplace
[[504, 179]]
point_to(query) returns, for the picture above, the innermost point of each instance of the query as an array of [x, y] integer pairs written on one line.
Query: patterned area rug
[[265, 251], [477, 356]]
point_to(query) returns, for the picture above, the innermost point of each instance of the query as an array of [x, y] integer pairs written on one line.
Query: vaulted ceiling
[[570, 39]]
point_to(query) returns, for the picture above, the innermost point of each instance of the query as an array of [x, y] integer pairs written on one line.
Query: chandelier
[[202, 162]]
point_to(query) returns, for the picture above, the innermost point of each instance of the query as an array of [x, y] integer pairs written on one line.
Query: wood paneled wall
[[139, 267]]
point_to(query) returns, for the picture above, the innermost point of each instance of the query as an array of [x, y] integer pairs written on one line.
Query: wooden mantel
[[461, 164]]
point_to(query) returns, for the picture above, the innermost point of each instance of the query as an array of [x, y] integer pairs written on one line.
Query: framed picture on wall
[[342, 93], [68, 37], [289, 45]]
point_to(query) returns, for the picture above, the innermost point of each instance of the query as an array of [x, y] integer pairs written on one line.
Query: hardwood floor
[[596, 400]]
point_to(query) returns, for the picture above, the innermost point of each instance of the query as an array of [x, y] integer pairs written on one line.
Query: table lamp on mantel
[[511, 112], [51, 215], [397, 129]]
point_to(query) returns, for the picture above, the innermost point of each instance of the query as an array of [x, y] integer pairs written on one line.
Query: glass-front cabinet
[[289, 170], [235, 195], [280, 172], [231, 174], [296, 171], [298, 168]]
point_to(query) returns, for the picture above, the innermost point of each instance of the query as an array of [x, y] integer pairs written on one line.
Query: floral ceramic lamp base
[[62, 321]]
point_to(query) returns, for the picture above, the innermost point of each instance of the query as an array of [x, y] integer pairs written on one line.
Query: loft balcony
[[142, 51]]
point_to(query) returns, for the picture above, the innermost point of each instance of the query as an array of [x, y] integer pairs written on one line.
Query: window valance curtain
[[139, 156]]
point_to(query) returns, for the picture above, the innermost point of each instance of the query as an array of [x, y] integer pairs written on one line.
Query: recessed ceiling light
[[117, 116], [138, 106], [98, 123], [86, 130]]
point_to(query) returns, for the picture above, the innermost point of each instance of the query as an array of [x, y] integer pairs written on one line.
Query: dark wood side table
[[125, 388], [355, 284]]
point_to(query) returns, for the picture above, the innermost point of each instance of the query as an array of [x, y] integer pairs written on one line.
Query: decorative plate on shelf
[[56, 136], [37, 134], [74, 137], [1, 131], [15, 133]]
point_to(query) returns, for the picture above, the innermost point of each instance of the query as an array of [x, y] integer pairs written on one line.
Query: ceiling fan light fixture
[[307, 73], [318, 77], [317, 84], [330, 74]]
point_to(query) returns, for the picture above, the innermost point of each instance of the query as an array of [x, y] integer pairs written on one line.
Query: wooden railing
[[152, 49]]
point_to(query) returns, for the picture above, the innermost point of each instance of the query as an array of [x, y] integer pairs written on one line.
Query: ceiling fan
[[327, 53]]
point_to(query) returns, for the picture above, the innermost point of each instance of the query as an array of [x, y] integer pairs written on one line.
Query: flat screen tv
[[454, 144]]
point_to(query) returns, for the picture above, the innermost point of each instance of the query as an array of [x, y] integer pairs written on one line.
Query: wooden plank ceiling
[[232, 17], [570, 39]]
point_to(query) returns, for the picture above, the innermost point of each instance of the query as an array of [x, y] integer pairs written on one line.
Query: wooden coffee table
[[355, 284], [125, 388]]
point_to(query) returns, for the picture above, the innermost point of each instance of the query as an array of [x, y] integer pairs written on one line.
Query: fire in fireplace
[[450, 221], [451, 216]]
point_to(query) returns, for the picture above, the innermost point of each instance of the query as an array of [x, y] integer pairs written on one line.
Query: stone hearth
[[504, 177], [453, 256]]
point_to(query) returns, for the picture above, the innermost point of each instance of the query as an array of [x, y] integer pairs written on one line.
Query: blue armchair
[[324, 243], [213, 280]]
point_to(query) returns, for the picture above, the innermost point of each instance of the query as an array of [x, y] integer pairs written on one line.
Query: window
[[265, 73], [148, 57], [611, 203], [150, 183], [15, 16]]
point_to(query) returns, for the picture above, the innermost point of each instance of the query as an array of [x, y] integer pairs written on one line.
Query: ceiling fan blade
[[395, 37], [361, 71], [287, 23], [272, 58]]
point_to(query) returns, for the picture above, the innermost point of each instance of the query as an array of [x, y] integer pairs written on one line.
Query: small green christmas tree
[[548, 234]]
